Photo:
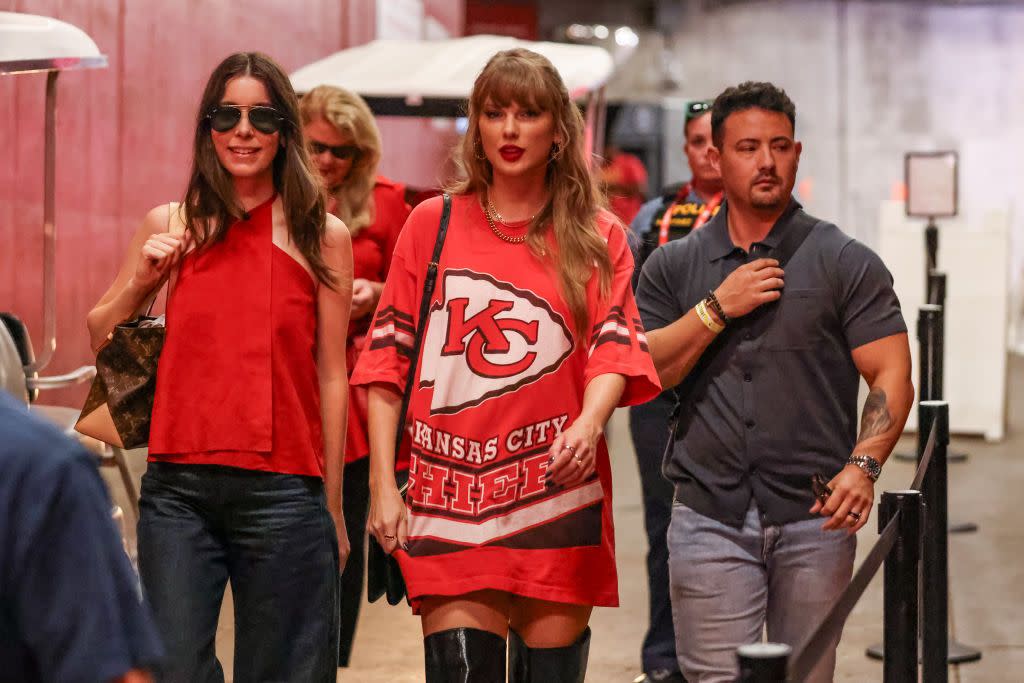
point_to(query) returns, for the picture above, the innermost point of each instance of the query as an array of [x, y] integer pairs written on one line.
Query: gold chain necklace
[[498, 217], [494, 228]]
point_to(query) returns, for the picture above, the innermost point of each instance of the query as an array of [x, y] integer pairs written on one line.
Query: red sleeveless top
[[237, 381]]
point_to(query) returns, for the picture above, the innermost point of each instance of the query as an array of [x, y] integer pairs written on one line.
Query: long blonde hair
[[350, 115], [531, 80]]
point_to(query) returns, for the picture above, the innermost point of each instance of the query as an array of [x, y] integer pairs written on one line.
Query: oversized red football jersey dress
[[501, 375]]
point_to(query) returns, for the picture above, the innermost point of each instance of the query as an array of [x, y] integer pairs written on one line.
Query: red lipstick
[[511, 153]]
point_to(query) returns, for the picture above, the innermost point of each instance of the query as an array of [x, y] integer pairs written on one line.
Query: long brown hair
[[210, 201], [350, 116], [531, 80]]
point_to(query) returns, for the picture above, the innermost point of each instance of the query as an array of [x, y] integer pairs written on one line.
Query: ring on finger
[[578, 459], [855, 515], [389, 537]]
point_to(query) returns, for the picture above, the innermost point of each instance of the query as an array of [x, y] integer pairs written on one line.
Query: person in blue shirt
[[677, 212], [71, 609]]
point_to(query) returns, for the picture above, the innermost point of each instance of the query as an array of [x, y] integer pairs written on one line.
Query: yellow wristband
[[705, 317]]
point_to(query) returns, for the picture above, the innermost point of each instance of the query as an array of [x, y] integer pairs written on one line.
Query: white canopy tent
[[30, 43], [433, 78]]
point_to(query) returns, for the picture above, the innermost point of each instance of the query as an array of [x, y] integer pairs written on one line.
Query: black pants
[[355, 506], [648, 424]]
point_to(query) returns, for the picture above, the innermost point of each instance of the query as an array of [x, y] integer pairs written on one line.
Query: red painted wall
[[124, 135], [516, 18]]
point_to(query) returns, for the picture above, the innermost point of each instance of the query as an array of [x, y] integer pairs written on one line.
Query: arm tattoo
[[876, 418]]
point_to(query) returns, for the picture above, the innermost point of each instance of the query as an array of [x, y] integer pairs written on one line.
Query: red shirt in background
[[372, 248], [625, 178]]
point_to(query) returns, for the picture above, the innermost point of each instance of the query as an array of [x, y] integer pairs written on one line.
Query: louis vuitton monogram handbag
[[120, 401], [119, 406]]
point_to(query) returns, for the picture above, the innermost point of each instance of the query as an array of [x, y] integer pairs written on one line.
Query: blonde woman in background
[[344, 145]]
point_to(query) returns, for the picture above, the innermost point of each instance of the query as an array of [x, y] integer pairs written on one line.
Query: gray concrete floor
[[986, 574]]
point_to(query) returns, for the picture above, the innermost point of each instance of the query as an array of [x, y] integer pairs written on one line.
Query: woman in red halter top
[[248, 428]]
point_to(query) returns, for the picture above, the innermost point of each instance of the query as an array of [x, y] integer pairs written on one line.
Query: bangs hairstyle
[[210, 202], [352, 118], [530, 80]]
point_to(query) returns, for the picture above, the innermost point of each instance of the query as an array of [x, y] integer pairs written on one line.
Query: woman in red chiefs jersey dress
[[533, 339], [248, 429], [345, 146]]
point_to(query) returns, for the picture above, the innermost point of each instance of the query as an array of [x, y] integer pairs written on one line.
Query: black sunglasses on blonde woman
[[340, 152]]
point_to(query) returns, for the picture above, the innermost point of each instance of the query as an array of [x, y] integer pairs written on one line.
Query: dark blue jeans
[[271, 536], [648, 424]]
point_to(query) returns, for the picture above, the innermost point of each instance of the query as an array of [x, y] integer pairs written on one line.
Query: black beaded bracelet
[[717, 307]]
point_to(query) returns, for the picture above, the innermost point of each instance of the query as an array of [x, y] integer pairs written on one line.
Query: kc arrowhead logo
[[487, 338]]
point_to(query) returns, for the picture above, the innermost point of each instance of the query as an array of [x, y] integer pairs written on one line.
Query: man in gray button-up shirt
[[765, 320]]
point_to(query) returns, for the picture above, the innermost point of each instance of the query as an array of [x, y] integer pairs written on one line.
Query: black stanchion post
[[935, 546], [930, 331], [937, 296], [763, 662], [931, 246], [901, 585], [931, 334], [936, 288], [930, 349], [939, 650]]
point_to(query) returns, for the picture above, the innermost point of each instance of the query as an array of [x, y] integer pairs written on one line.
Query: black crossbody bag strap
[[421, 322], [796, 233]]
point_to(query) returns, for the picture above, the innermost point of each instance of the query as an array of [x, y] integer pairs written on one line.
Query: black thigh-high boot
[[464, 655], [547, 664]]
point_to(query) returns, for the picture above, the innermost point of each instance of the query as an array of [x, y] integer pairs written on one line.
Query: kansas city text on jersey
[[462, 494]]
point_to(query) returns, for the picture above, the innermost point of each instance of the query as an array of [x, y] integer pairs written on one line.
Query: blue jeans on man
[[272, 537], [730, 585]]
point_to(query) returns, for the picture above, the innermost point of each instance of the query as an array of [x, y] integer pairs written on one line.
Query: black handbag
[[383, 574]]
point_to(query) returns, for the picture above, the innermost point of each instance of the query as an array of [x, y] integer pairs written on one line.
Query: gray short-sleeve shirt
[[771, 402]]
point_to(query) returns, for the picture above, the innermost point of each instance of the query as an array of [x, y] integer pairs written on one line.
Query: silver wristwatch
[[871, 467]]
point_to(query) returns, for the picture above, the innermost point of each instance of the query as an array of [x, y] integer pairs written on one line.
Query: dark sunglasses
[[820, 487], [266, 120], [340, 152], [695, 109]]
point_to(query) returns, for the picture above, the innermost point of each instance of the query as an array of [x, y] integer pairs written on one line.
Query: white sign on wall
[[931, 184]]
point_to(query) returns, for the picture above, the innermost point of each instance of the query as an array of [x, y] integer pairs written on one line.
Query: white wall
[[871, 80]]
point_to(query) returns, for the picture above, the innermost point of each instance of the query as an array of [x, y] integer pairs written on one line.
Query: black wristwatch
[[871, 467]]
